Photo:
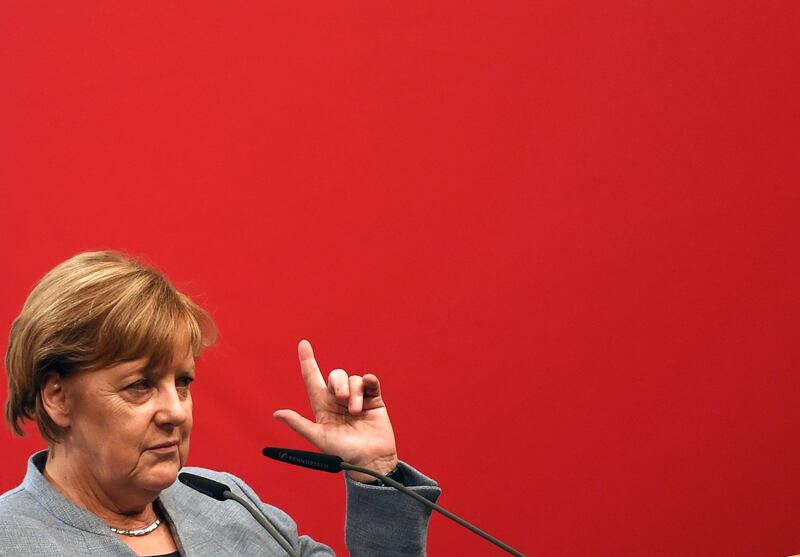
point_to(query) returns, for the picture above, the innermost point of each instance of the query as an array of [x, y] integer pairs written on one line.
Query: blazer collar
[[56, 504], [188, 535]]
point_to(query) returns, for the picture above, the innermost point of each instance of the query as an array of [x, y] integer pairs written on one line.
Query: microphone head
[[205, 486], [315, 461]]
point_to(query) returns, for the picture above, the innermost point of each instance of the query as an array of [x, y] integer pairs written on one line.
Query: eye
[[185, 381], [139, 386]]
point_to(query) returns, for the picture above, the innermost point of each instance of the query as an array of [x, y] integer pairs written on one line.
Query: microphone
[[331, 463], [221, 492], [307, 459], [213, 489]]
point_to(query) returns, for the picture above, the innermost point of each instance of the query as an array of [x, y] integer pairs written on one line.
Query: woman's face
[[131, 424]]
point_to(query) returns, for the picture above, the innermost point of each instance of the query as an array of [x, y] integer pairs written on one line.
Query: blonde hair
[[91, 311]]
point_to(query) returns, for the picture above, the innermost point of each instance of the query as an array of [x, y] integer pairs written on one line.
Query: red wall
[[563, 234]]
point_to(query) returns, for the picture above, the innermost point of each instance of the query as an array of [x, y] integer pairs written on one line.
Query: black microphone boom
[[331, 463]]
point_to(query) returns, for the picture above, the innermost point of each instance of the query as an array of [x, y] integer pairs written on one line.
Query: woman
[[102, 358]]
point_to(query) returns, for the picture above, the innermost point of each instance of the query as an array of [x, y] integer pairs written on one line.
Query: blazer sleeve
[[383, 521], [380, 520]]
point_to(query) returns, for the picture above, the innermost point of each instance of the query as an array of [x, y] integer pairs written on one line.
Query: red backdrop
[[563, 234]]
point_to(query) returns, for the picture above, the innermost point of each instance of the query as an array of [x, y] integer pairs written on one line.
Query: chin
[[162, 476]]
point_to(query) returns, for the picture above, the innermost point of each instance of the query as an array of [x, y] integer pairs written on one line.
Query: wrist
[[396, 474], [382, 466]]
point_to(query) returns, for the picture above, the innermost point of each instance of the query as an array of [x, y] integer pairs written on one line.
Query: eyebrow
[[127, 368]]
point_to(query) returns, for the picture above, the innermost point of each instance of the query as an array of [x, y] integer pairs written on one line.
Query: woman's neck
[[72, 479]]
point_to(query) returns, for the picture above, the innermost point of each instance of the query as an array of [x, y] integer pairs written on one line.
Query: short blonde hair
[[91, 311]]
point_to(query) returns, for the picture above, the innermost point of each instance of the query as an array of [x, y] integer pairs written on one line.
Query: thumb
[[298, 423]]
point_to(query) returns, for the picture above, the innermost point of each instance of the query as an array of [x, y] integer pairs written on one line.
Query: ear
[[54, 399]]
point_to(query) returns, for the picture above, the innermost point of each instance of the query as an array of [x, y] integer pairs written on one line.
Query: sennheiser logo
[[286, 457]]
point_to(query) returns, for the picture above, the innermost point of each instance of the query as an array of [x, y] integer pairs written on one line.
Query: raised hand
[[350, 418]]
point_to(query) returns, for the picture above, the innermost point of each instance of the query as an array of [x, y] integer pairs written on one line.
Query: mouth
[[168, 447]]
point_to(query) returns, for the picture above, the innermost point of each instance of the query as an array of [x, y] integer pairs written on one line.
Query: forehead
[[182, 360]]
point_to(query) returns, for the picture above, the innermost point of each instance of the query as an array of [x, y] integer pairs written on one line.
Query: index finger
[[309, 368]]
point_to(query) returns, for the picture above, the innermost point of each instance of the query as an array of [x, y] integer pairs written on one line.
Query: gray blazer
[[36, 520]]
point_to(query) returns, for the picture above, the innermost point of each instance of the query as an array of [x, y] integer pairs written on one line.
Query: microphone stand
[[222, 492], [261, 519], [400, 487]]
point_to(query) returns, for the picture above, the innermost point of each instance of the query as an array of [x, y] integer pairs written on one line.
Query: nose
[[174, 407]]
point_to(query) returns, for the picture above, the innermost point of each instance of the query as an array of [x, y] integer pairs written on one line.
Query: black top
[[173, 554]]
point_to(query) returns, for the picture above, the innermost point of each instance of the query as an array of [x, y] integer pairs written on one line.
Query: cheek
[[107, 420], [186, 428], [188, 424], [128, 432]]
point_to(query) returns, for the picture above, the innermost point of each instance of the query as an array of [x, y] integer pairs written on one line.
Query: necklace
[[140, 532]]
